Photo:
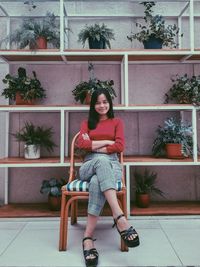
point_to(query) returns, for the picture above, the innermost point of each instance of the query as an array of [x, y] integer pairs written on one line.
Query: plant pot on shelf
[[31, 151], [87, 98], [153, 43], [174, 151], [20, 101], [96, 44], [54, 202], [142, 200], [41, 43]]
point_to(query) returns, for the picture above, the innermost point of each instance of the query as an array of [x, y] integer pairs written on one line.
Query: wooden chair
[[71, 194]]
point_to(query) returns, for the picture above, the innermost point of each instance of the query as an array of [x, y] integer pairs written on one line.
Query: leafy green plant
[[52, 187], [81, 90], [145, 182], [184, 90], [36, 135], [96, 32], [174, 131], [155, 27], [29, 88], [32, 28]]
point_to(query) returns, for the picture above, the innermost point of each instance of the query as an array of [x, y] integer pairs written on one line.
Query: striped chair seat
[[83, 186]]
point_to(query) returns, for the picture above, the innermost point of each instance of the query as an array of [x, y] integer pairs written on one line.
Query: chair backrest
[[72, 171]]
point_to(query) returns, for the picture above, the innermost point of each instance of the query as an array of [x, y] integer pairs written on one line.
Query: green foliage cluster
[[145, 182], [32, 28], [96, 32], [155, 26], [176, 132], [29, 88], [184, 90], [52, 187], [36, 135], [81, 90]]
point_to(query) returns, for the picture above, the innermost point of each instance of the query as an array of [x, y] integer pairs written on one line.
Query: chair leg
[[65, 226], [124, 247], [62, 221], [74, 206]]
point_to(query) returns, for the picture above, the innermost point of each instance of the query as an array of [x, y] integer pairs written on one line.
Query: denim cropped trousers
[[102, 171]]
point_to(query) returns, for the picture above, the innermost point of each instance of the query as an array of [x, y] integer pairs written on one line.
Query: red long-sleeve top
[[109, 129]]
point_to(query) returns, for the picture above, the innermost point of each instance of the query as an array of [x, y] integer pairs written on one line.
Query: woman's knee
[[102, 162]]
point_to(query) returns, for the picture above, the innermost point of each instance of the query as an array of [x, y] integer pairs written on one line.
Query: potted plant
[[83, 91], [98, 36], [145, 186], [34, 138], [155, 33], [184, 90], [37, 33], [23, 89], [52, 188], [174, 139]]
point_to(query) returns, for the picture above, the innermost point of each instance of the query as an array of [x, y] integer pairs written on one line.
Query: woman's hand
[[85, 136]]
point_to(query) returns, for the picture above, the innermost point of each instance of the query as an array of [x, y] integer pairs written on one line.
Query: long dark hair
[[93, 118]]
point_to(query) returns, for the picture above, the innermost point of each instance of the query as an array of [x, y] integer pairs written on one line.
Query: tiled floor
[[165, 241]]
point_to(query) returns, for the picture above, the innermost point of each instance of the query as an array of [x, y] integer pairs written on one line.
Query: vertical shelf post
[[62, 135], [192, 25], [127, 168], [61, 25], [194, 126]]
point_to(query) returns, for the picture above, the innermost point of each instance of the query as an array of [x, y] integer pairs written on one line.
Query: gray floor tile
[[186, 243]]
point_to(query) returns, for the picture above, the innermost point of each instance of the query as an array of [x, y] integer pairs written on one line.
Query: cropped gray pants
[[102, 171]]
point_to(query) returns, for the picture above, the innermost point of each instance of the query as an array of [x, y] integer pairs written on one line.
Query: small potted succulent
[[23, 89], [184, 90], [52, 188], [174, 139], [154, 33], [145, 186], [98, 36], [36, 33], [34, 138]]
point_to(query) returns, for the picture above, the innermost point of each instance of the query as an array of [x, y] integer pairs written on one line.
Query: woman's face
[[102, 105]]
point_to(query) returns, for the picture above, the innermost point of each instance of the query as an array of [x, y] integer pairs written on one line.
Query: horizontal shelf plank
[[55, 161], [77, 107], [167, 208], [56, 55]]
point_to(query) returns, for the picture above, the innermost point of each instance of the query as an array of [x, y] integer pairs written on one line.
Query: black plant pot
[[153, 43], [96, 44]]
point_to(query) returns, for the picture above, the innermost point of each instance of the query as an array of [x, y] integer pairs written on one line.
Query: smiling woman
[[102, 136]]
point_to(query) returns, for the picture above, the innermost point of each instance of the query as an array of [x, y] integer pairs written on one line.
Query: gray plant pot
[[31, 151]]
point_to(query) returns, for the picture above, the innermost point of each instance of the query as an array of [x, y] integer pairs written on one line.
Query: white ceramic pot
[[31, 151]]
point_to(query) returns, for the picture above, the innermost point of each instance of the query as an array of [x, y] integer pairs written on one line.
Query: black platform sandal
[[90, 262], [127, 233]]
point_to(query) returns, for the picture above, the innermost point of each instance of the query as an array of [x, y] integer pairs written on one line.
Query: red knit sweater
[[109, 129]]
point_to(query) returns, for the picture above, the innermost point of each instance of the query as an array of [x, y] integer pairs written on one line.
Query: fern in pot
[[174, 139], [36, 33], [145, 185], [34, 138], [98, 36]]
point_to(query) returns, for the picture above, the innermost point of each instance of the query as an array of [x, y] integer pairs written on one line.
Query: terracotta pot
[[87, 98], [41, 43], [54, 203], [20, 101], [142, 200], [174, 151]]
